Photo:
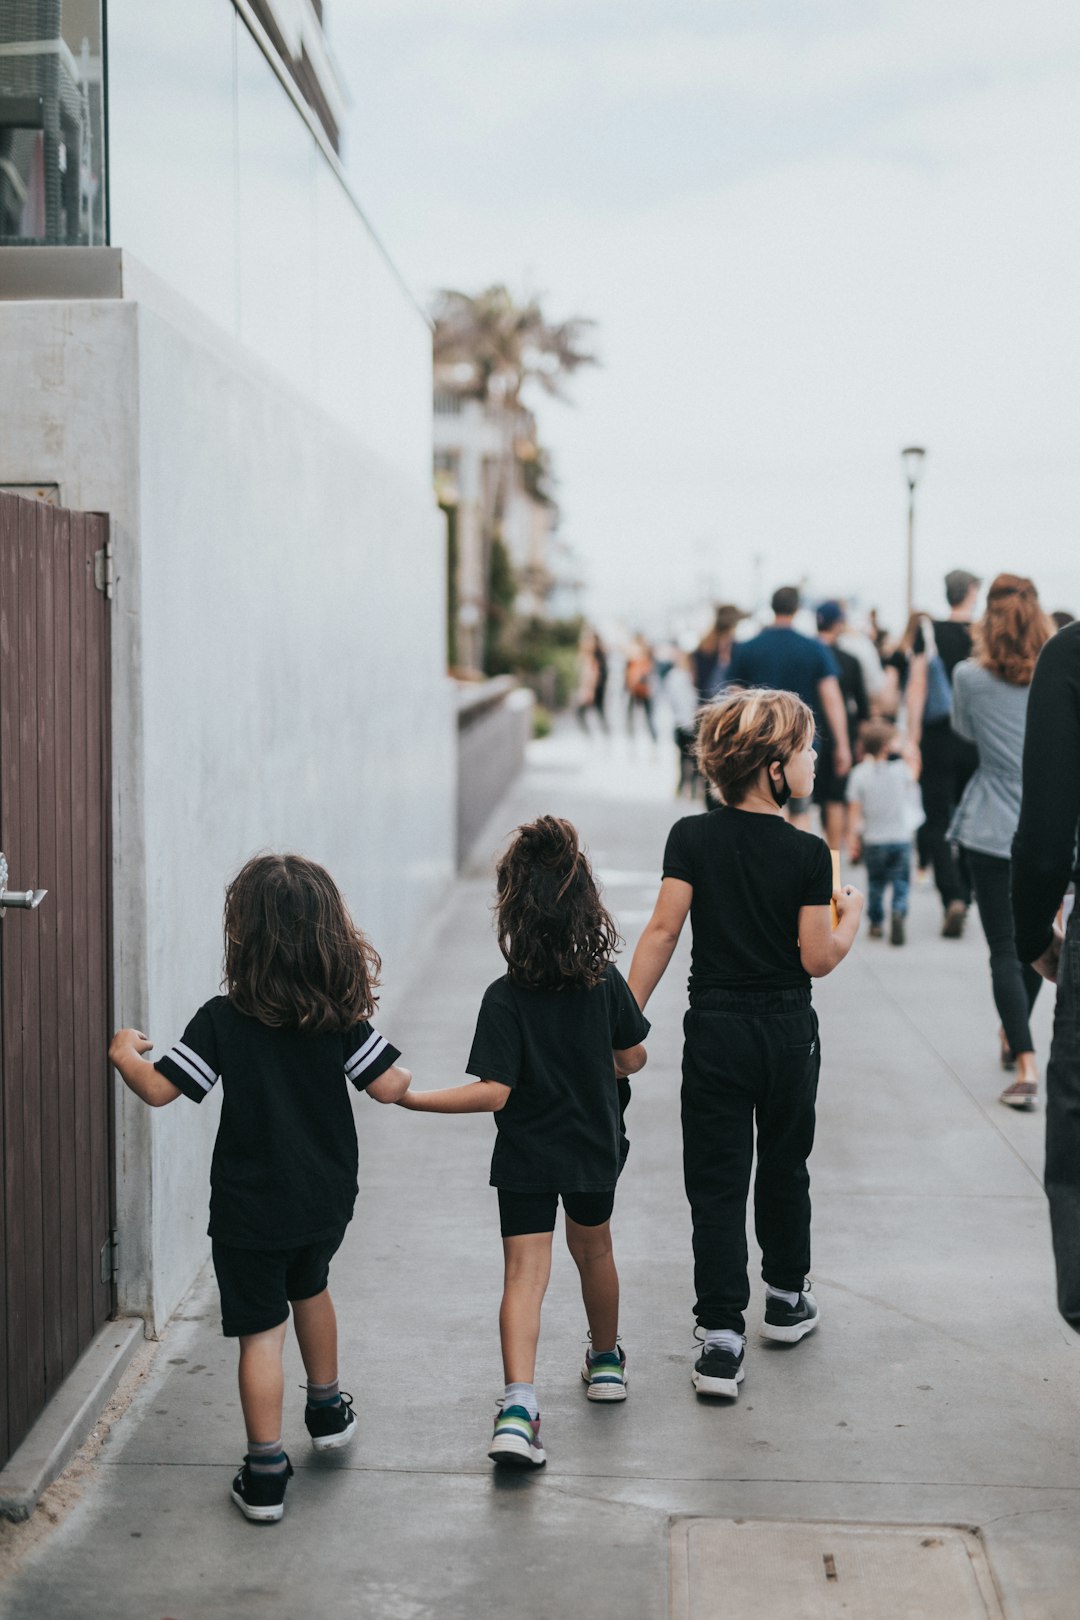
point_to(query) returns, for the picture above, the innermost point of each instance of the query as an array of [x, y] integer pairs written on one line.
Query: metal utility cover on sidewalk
[[738, 1569]]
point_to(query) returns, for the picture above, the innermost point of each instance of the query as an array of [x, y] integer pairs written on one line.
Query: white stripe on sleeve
[[200, 1063], [177, 1056], [366, 1056]]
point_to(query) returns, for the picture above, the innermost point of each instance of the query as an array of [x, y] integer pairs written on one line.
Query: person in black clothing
[[830, 787], [711, 657], [1044, 861], [758, 894], [948, 761], [286, 1041], [556, 1038]]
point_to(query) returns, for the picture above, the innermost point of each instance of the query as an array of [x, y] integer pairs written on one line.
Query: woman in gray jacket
[[990, 694]]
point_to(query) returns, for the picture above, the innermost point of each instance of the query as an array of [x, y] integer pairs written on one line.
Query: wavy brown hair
[[294, 958], [744, 729], [553, 928], [1013, 631]]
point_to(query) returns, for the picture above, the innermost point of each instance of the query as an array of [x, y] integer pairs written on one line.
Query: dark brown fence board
[[56, 1093]]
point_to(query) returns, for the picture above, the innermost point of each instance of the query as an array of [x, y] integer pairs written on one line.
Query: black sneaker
[[718, 1372], [896, 933], [787, 1324], [261, 1497], [331, 1426]]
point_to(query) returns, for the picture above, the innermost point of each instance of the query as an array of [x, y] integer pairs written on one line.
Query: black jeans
[[1063, 1128], [1015, 983], [947, 765], [748, 1053]]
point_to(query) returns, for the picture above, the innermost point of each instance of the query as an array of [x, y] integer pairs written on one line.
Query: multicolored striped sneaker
[[605, 1374], [517, 1439]]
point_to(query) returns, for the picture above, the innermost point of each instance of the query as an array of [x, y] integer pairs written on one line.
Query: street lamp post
[[912, 459]]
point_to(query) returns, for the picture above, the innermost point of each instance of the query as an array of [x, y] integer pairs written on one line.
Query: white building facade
[[240, 380]]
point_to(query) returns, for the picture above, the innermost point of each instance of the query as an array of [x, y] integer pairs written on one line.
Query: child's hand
[[128, 1041], [848, 901]]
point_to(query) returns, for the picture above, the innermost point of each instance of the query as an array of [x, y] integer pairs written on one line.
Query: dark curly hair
[[294, 958], [553, 928]]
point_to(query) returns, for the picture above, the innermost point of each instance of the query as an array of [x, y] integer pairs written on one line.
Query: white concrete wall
[[278, 672]]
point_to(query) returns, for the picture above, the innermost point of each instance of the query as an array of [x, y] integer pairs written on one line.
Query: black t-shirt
[[560, 1129], [750, 873], [284, 1166]]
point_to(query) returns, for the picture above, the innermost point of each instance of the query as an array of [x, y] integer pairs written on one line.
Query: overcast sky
[[810, 231]]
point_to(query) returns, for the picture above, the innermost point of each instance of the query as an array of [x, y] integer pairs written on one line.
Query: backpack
[[938, 705]]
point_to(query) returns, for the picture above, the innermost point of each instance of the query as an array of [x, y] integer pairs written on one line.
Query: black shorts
[[828, 787], [524, 1212], [256, 1285]]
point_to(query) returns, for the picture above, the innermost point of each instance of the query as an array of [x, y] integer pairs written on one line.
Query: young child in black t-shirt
[[285, 1040], [556, 1037], [758, 893]]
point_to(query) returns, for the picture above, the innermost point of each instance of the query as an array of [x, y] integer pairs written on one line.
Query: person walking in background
[[780, 657], [681, 698], [592, 679], [947, 759], [711, 657], [758, 893], [882, 792], [640, 679], [1045, 859], [830, 787], [556, 1037], [989, 709], [285, 1041]]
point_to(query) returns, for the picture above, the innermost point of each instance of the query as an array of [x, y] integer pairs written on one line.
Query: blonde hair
[[744, 729]]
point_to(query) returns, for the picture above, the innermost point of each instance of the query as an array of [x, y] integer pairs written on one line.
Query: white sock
[[724, 1339], [781, 1293], [522, 1395]]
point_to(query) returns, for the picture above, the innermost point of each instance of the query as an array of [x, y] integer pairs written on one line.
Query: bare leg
[[527, 1262], [316, 1333], [262, 1383], [591, 1249]]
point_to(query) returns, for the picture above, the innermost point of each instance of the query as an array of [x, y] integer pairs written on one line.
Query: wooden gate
[[56, 1124]]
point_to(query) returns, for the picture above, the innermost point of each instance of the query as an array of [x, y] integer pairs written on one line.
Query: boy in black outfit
[[758, 893]]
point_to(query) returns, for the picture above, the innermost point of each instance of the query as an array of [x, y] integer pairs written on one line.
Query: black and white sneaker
[[718, 1371], [787, 1324], [331, 1426], [261, 1497]]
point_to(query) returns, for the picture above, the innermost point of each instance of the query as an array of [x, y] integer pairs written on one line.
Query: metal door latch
[[21, 900]]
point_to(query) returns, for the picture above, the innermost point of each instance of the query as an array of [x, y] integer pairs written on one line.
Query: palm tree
[[489, 347]]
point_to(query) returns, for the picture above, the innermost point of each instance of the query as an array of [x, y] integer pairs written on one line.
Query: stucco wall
[[278, 675]]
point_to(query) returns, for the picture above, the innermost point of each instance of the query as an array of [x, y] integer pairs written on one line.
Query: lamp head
[[913, 458]]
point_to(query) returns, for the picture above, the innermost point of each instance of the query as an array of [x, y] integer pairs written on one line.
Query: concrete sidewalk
[[940, 1390]]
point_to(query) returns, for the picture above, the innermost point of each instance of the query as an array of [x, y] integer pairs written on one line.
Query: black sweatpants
[[948, 762], [748, 1055]]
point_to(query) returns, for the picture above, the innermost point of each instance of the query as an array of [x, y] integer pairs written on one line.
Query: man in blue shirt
[[780, 657]]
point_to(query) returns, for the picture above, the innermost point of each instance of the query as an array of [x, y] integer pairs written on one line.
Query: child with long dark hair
[[553, 1038], [758, 892], [285, 1040]]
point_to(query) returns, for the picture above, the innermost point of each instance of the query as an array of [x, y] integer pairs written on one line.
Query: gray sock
[[724, 1339], [782, 1293], [323, 1394], [266, 1457], [522, 1395]]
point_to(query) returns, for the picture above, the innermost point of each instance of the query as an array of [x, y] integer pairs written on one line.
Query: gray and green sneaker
[[517, 1439], [604, 1373]]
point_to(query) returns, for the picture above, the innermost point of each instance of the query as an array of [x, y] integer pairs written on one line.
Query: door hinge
[[110, 1257], [103, 570]]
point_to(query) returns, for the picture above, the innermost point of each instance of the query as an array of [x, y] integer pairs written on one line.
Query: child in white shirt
[[883, 794]]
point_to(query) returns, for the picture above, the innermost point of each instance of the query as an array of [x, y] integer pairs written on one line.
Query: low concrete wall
[[494, 723]]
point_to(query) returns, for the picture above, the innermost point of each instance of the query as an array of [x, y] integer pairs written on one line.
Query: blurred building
[[202, 338]]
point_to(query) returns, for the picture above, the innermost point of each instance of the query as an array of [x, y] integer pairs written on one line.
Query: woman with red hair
[[990, 695]]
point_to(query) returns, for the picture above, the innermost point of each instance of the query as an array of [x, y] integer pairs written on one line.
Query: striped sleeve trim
[[370, 1060], [193, 1065]]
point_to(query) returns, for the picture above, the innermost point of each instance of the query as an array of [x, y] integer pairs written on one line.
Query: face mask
[[780, 794]]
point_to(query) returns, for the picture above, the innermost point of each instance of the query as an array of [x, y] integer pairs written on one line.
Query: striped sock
[[323, 1394], [266, 1457]]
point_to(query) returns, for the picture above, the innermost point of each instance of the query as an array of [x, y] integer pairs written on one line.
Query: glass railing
[[52, 123]]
